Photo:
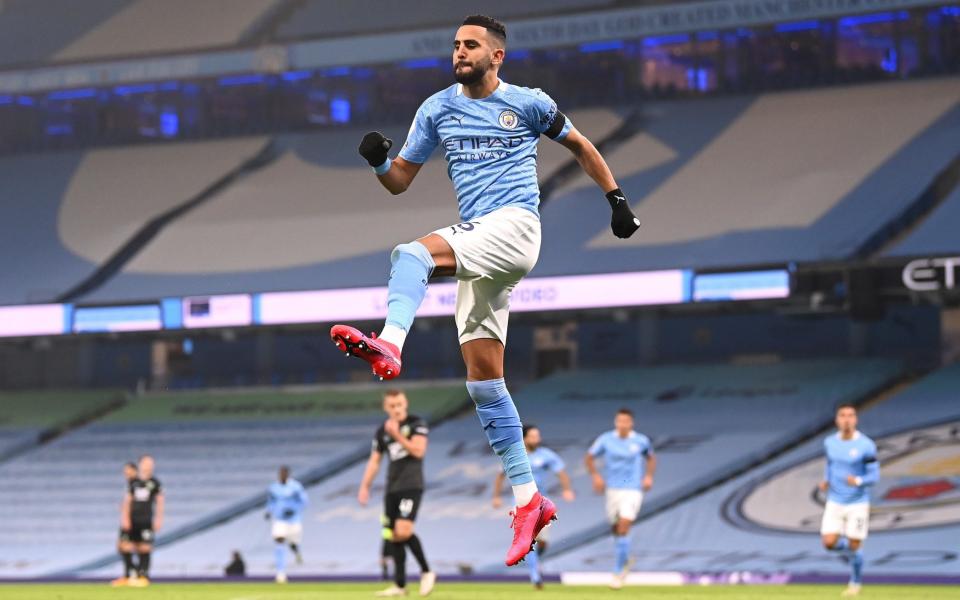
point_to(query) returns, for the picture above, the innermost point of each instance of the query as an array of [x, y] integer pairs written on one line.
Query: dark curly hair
[[495, 27]]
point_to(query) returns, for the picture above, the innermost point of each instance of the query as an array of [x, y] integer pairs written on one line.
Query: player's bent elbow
[[396, 187]]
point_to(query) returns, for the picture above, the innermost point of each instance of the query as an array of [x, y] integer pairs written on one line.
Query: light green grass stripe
[[454, 591]]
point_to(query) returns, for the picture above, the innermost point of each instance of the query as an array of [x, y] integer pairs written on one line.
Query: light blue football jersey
[[286, 501], [490, 144], [544, 462], [624, 459], [857, 457]]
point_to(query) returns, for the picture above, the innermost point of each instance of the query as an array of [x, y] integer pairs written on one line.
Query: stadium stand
[[312, 171], [812, 196], [29, 33], [936, 234], [213, 451], [329, 18], [707, 421], [63, 214], [27, 418], [768, 519], [813, 191], [808, 202], [37, 275], [54, 31], [116, 191], [812, 199], [146, 26], [676, 163]]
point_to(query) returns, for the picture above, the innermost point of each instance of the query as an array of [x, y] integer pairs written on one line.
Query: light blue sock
[[533, 563], [280, 556], [622, 543], [501, 423], [842, 545], [412, 266], [856, 566]]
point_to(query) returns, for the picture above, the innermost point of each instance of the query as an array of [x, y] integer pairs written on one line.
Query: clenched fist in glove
[[623, 222]]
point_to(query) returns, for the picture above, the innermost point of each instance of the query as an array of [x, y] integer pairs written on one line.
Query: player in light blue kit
[[286, 500], [488, 130], [629, 465], [851, 471], [545, 464]]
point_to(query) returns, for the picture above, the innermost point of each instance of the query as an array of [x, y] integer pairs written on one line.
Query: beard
[[478, 70]]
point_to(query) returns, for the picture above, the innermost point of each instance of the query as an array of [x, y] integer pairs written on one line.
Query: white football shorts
[[291, 532], [849, 520], [623, 504], [494, 252]]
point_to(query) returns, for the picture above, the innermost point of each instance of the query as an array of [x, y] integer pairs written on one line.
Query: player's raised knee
[[414, 250]]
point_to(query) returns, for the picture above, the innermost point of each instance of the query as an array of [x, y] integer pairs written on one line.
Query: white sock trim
[[394, 335], [524, 493]]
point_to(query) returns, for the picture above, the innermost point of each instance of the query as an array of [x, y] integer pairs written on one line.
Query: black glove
[[374, 148], [623, 222]]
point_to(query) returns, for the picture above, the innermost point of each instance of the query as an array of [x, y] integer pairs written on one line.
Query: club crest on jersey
[[509, 119], [405, 431]]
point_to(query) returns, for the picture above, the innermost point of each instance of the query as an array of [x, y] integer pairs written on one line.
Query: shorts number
[[467, 226], [406, 507]]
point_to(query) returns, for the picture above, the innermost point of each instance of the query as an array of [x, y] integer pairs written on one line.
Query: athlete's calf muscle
[[483, 358]]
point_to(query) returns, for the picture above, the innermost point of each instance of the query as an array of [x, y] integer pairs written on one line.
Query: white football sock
[[523, 493], [394, 335]]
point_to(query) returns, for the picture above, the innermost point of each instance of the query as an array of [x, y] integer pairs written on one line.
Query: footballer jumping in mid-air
[[851, 471], [489, 130]]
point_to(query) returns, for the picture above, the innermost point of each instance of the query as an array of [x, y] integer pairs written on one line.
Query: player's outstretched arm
[[302, 495], [498, 490], [871, 474], [397, 174], [565, 485], [125, 512], [158, 518], [598, 483], [271, 502], [651, 470], [623, 222], [373, 465]]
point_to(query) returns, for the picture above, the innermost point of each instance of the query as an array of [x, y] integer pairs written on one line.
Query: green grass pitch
[[455, 591]]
